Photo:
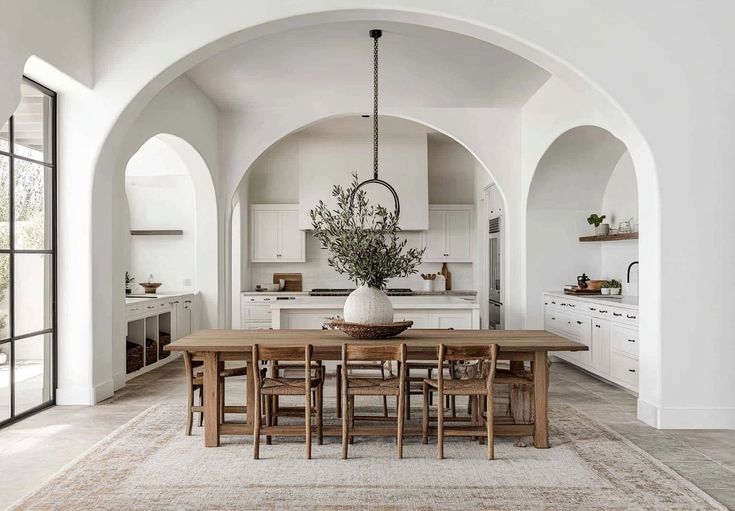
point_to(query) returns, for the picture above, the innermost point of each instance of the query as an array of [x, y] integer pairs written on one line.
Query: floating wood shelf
[[611, 237], [157, 232]]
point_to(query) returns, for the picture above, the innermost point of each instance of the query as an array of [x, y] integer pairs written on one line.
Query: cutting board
[[293, 281]]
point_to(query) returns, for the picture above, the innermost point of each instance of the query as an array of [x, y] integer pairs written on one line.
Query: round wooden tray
[[358, 331]]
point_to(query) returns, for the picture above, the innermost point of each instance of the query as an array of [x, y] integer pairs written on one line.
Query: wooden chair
[[357, 386], [280, 368], [474, 388], [280, 386], [368, 366], [415, 384], [194, 382]]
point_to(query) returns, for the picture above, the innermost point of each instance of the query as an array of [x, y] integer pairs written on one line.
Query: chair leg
[[440, 428], [189, 404], [256, 426], [307, 422], [345, 423], [401, 418], [385, 398], [490, 427], [352, 417], [221, 400], [339, 390], [268, 404], [407, 400], [425, 422], [319, 409], [201, 403], [453, 405]]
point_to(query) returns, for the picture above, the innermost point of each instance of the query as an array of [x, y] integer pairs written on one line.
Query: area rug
[[149, 464]]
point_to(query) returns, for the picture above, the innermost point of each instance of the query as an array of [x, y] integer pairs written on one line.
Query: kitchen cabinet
[[494, 202], [275, 235], [609, 330], [449, 238], [313, 319]]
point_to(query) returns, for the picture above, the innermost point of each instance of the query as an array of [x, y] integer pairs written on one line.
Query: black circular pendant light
[[375, 35]]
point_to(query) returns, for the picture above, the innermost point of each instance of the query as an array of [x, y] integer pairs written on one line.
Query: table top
[[242, 340]]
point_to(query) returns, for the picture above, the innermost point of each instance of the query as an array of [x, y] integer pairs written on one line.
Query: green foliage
[[605, 285], [614, 284], [363, 239], [595, 220]]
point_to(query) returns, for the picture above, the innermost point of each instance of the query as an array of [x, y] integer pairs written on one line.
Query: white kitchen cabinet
[[449, 238], [600, 350], [275, 235]]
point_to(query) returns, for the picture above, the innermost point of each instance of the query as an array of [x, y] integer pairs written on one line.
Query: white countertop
[[156, 296], [624, 302], [399, 302]]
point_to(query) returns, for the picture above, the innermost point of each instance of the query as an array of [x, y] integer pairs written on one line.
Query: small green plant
[[614, 284], [605, 285], [128, 280], [595, 220]]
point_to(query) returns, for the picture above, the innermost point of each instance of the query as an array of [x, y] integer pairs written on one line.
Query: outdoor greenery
[[363, 239], [29, 219]]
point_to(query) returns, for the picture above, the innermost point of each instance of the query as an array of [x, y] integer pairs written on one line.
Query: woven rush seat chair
[[270, 387], [358, 386], [365, 366], [195, 381], [279, 368], [475, 388]]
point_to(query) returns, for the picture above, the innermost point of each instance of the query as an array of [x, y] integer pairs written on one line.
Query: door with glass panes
[[27, 254]]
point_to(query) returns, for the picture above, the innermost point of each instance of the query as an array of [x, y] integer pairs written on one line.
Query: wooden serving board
[[293, 281], [582, 292]]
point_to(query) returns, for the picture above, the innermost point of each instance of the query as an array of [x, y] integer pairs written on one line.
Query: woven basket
[[151, 352], [133, 357], [360, 331], [163, 340]]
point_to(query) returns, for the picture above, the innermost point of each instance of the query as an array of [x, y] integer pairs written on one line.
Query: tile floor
[[34, 449]]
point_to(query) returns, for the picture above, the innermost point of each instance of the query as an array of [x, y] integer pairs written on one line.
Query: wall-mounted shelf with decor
[[611, 237], [157, 232]]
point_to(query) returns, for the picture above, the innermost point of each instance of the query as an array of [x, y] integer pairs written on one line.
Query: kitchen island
[[311, 312]]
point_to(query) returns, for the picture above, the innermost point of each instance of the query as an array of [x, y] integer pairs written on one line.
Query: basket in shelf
[[133, 357], [151, 352], [360, 331], [163, 339]]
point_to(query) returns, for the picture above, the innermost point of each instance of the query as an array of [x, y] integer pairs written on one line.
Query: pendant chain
[[375, 107]]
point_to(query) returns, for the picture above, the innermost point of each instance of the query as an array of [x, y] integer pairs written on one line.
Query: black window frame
[[12, 251]]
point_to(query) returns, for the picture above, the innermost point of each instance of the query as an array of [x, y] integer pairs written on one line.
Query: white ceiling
[[332, 63]]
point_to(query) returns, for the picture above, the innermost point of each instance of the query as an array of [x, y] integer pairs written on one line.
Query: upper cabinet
[[449, 236], [494, 202], [275, 235]]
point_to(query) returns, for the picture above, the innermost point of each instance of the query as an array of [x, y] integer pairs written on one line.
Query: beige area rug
[[150, 464]]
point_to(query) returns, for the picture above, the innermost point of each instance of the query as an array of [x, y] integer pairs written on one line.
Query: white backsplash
[[318, 274]]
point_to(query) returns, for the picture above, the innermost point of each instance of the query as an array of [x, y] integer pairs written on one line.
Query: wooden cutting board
[[293, 281]]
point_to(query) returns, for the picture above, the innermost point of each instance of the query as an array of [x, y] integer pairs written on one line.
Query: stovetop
[[345, 292]]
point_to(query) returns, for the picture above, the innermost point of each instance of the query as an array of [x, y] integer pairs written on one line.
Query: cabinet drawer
[[624, 368], [625, 340], [258, 313], [627, 316], [256, 325]]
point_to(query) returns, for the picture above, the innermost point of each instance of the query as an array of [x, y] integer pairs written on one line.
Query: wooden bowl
[[359, 331], [150, 287]]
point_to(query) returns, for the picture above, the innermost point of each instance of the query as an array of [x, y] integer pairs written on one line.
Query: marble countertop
[[625, 301], [399, 302], [154, 297]]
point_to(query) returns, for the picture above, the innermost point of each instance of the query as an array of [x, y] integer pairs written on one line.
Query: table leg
[[541, 399], [250, 393], [211, 392]]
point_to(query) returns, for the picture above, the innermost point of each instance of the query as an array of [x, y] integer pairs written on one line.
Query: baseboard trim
[[103, 391], [119, 381], [75, 396], [686, 417]]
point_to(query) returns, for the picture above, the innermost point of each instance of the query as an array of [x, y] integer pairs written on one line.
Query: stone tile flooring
[[34, 449]]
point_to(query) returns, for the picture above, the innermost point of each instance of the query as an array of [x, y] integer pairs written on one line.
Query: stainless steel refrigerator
[[495, 272]]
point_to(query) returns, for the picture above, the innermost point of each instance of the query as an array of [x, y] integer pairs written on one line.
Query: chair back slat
[[453, 353], [284, 353], [376, 352]]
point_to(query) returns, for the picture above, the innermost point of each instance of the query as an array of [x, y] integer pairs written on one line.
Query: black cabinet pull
[[563, 304], [598, 326], [592, 309], [631, 340], [631, 370], [554, 319], [617, 315], [629, 316], [603, 312], [572, 305], [579, 322], [554, 303]]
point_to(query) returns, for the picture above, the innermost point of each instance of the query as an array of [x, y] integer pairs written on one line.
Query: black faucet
[[629, 267]]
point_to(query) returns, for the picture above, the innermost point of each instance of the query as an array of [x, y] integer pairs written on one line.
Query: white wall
[[160, 195]]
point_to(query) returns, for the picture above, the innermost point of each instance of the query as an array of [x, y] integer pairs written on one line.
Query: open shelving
[[610, 237]]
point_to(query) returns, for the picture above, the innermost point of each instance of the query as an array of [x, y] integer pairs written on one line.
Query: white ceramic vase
[[368, 306]]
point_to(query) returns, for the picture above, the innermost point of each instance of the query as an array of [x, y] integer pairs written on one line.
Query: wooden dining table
[[214, 347]]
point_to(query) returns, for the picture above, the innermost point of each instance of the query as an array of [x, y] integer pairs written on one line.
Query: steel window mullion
[[11, 262], [33, 334], [30, 160], [28, 251]]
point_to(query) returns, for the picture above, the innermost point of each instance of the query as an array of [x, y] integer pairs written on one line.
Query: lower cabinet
[[611, 334], [461, 319]]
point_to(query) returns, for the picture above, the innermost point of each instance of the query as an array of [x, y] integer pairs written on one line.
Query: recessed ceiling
[[332, 64]]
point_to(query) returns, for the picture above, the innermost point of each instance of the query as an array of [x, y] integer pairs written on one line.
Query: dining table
[[214, 347]]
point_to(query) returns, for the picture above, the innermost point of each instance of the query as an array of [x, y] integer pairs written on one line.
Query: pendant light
[[375, 35]]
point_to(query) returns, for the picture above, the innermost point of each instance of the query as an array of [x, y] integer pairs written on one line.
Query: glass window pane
[[4, 202], [4, 296], [33, 289], [5, 137], [5, 381], [33, 372], [32, 205], [32, 125]]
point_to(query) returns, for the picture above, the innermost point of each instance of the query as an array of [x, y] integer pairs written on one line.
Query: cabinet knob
[[579, 322], [593, 309], [572, 305], [598, 326], [602, 312], [554, 319]]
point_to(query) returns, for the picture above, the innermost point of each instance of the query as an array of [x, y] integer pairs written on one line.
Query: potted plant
[[596, 220], [615, 287], [364, 244], [128, 280], [605, 288]]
